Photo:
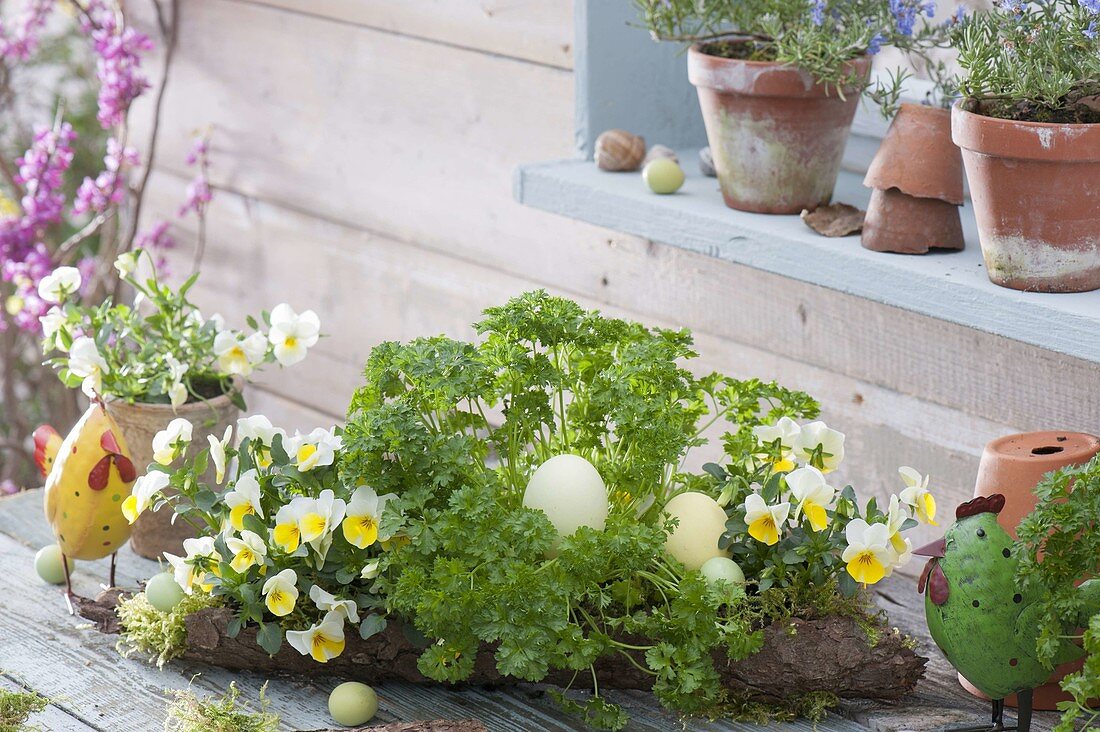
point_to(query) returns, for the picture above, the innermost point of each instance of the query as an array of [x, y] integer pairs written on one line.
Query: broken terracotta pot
[[777, 136], [1012, 466], [1034, 187], [917, 177]]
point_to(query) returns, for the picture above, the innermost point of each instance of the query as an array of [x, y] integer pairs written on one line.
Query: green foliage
[[1032, 61], [187, 712], [16, 707], [159, 635], [1058, 546]]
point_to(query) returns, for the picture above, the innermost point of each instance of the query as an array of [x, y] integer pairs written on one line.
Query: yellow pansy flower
[[323, 641], [281, 592], [764, 521]]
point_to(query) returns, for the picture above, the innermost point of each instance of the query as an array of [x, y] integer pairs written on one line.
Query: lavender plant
[[1033, 61], [820, 36]]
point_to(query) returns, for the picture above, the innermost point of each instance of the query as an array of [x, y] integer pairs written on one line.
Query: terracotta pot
[[153, 532], [904, 224], [1036, 193], [1013, 466], [777, 136]]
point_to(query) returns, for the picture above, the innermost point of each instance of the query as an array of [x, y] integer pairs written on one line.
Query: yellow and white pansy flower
[[370, 570], [321, 516], [87, 363], [281, 592], [217, 453], [177, 391], [200, 560], [126, 263], [141, 495], [172, 441], [326, 602], [868, 553], [364, 513], [315, 450], [58, 285], [238, 355], [764, 521], [324, 641], [292, 334], [248, 551], [917, 495], [53, 324], [287, 534], [260, 433], [812, 496], [895, 521], [819, 446], [786, 431], [244, 499]]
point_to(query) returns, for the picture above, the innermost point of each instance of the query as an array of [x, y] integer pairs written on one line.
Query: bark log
[[830, 654]]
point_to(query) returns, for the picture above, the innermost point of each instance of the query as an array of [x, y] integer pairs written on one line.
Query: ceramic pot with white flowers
[[154, 532]]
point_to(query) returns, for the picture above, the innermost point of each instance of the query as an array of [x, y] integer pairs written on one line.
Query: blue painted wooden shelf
[[950, 286]]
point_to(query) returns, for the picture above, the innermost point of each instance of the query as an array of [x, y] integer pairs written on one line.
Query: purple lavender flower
[[20, 41]]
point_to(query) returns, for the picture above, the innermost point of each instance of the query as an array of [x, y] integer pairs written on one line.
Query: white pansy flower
[[244, 499], [765, 521], [812, 495], [370, 570], [126, 263], [292, 334], [217, 452], [237, 356], [86, 362], [868, 553], [141, 495], [53, 324], [261, 434], [917, 495], [248, 551], [55, 287], [172, 441], [786, 431], [820, 446], [323, 641], [199, 550], [326, 603], [177, 391], [314, 450], [281, 592]]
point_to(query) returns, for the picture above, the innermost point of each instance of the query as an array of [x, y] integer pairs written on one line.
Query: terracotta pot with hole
[[1036, 193], [153, 532], [1012, 466], [776, 136], [917, 182]]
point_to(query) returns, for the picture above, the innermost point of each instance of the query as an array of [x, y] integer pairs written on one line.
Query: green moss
[[812, 705], [16, 707], [188, 712], [159, 635]]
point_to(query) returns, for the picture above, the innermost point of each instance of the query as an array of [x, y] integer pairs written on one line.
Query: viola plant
[[790, 527], [1032, 61], [161, 349], [822, 37], [282, 540]]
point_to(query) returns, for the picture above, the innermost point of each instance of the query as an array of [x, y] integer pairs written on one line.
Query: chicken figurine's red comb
[[983, 504]]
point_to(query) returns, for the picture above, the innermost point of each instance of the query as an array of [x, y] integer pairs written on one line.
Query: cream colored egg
[[702, 522], [570, 491]]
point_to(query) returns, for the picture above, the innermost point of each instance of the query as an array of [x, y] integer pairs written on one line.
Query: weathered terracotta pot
[[917, 177], [153, 532], [1036, 193], [1013, 466], [777, 136]]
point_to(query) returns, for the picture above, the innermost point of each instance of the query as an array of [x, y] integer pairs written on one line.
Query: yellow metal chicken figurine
[[88, 476]]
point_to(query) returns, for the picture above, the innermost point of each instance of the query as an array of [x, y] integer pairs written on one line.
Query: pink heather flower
[[20, 41], [9, 488], [198, 195], [198, 150], [108, 187], [156, 241], [118, 63]]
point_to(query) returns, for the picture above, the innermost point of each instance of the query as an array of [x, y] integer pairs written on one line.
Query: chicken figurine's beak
[[935, 549]]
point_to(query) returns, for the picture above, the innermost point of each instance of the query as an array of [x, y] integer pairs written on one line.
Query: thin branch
[[169, 33], [69, 245]]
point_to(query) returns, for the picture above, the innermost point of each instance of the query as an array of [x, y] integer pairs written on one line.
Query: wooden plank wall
[[363, 156]]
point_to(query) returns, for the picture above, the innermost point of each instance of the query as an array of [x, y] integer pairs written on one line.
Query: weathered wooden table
[[92, 687]]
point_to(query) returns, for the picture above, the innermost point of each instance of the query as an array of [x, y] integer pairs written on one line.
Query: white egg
[[702, 522], [570, 491], [722, 568]]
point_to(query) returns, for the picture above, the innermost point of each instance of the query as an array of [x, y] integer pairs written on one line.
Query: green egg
[[47, 562], [722, 568], [663, 175], [352, 704], [163, 592]]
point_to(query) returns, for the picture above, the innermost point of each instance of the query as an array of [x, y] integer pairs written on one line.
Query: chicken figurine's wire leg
[[998, 724], [111, 579], [68, 585]]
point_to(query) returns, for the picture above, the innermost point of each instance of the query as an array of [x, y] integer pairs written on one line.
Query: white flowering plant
[[281, 539], [160, 348], [790, 527]]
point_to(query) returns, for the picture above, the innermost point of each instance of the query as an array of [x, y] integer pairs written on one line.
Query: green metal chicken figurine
[[983, 623]]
